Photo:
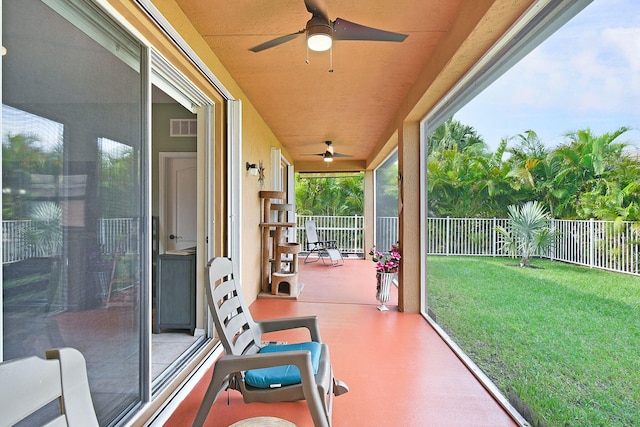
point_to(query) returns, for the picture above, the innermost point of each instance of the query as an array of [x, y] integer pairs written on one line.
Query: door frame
[[164, 157]]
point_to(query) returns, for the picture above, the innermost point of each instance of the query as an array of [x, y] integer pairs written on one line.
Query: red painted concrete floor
[[399, 371]]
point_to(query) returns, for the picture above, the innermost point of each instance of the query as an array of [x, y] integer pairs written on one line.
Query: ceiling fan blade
[[317, 8], [327, 153], [346, 30], [276, 42]]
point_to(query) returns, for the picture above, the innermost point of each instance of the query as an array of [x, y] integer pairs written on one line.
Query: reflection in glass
[[71, 148], [387, 203]]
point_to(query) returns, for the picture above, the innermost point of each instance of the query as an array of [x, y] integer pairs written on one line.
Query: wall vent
[[183, 127]]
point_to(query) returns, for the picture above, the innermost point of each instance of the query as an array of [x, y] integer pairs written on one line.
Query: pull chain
[[331, 59]]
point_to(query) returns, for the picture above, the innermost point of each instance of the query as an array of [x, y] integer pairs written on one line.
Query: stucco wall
[[257, 137], [258, 140]]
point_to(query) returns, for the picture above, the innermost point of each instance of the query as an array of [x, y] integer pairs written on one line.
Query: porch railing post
[[447, 235], [592, 246], [552, 226], [494, 237]]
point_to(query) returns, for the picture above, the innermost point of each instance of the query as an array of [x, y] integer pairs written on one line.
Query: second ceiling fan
[[321, 31], [329, 154]]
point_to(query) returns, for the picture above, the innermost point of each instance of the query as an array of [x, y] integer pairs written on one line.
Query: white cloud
[[627, 42], [585, 75]]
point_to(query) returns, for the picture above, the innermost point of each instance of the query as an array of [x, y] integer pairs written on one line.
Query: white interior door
[[180, 201]]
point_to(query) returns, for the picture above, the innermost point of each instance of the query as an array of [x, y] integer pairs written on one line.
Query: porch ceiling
[[374, 86]]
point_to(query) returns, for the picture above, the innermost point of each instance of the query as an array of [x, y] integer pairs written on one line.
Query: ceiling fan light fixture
[[328, 157], [319, 37]]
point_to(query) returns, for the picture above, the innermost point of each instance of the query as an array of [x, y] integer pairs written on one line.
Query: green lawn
[[562, 342]]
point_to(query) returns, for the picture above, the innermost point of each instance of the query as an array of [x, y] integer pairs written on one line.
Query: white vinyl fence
[[114, 235], [597, 244], [465, 236], [600, 244], [386, 232]]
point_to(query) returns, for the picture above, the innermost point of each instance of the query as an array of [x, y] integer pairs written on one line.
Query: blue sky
[[586, 75]]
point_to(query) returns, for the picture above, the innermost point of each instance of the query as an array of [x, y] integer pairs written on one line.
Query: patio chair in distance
[[265, 372], [324, 248]]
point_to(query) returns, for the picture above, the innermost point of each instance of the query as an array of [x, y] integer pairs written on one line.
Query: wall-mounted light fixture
[[252, 168]]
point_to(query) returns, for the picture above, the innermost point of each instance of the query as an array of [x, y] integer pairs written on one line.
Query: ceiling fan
[[329, 154], [321, 31]]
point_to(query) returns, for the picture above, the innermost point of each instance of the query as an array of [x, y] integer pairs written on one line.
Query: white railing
[[119, 235], [14, 244], [597, 244], [386, 232], [114, 235], [347, 231], [464, 236]]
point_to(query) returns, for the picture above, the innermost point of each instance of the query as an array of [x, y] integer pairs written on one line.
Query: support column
[[409, 216], [369, 212]]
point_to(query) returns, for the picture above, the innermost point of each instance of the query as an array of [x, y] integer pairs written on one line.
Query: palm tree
[[46, 237], [453, 133], [330, 195], [526, 158], [590, 176], [468, 182], [589, 163], [609, 202], [448, 182], [493, 187], [117, 180], [528, 233], [46, 233], [529, 146], [22, 157]]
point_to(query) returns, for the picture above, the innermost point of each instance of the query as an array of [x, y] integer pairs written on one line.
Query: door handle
[[171, 236]]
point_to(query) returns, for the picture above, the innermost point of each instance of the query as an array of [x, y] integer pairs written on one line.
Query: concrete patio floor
[[399, 370]]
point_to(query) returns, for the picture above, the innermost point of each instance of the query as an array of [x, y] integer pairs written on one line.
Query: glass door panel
[[73, 210]]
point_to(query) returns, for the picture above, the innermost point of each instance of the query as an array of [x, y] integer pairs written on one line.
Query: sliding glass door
[[73, 205]]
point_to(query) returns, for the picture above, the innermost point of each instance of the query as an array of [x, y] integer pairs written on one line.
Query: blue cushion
[[277, 376]]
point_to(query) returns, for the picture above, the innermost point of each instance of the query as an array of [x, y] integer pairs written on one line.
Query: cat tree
[[279, 276]]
